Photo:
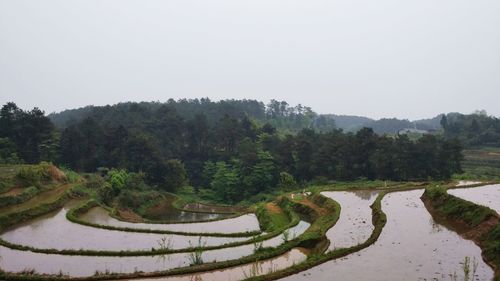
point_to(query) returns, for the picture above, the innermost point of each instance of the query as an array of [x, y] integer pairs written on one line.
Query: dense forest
[[236, 148], [477, 129]]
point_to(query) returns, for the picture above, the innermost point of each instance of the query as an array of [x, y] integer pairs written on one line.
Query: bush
[[35, 174]]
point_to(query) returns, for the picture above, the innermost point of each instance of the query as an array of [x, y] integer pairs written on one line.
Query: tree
[[175, 175], [263, 175], [226, 182], [31, 132], [8, 152]]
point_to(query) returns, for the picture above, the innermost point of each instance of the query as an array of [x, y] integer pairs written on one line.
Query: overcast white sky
[[385, 58]]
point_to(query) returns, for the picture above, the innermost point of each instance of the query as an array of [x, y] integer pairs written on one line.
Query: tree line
[[478, 129], [235, 155]]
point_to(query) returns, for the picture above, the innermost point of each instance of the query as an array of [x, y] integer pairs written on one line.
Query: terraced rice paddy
[[355, 223], [54, 231], [165, 211], [243, 223], [488, 195], [412, 246], [259, 268], [16, 261]]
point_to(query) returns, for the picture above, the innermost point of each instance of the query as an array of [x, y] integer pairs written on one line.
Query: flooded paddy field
[[79, 266], [54, 231], [243, 223], [355, 223], [411, 247], [488, 195], [288, 259]]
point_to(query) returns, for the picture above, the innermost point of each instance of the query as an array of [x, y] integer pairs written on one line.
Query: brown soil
[[162, 207], [42, 198], [129, 215], [13, 192], [318, 209], [56, 174], [272, 208]]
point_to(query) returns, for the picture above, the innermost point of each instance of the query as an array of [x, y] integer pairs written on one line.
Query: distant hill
[[353, 123], [277, 113], [349, 122]]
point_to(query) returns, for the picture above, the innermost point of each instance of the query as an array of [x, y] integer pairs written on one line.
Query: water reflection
[[488, 195], [80, 266], [243, 223], [409, 248], [355, 223], [54, 231]]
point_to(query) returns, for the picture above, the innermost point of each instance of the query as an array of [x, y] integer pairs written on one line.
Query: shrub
[[35, 174]]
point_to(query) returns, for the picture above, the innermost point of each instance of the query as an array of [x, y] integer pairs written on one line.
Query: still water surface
[[488, 195], [243, 223], [78, 266], [411, 247], [355, 223], [54, 231]]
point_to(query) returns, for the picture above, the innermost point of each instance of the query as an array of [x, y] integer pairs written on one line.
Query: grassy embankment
[[379, 219], [167, 202], [477, 223], [290, 220], [316, 231]]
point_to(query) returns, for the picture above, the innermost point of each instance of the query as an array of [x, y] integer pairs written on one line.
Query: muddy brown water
[[79, 266], [54, 231], [411, 247], [488, 195], [355, 222], [243, 223]]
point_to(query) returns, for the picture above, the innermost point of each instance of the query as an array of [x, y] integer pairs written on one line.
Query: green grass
[[266, 253], [270, 221], [458, 208]]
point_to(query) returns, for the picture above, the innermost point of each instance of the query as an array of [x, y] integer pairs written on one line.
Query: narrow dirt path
[[42, 198], [272, 208], [12, 192], [309, 203]]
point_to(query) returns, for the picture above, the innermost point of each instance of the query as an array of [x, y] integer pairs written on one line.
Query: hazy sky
[[383, 58]]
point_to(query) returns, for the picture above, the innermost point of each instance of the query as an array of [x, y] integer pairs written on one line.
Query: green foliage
[[178, 142], [133, 199], [81, 191], [270, 221], [117, 179], [458, 208], [492, 245], [129, 189], [175, 175], [226, 182], [71, 176], [286, 181], [94, 181], [35, 174], [477, 129], [32, 133], [8, 152]]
